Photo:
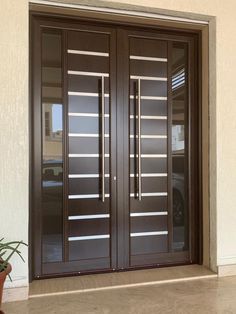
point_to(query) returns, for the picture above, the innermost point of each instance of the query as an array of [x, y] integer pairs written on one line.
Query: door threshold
[[88, 283]]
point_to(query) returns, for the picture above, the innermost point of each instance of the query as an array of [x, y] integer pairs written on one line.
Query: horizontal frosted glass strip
[[82, 217], [150, 155], [86, 196], [86, 135], [87, 115], [148, 78], [86, 155], [150, 194], [148, 58], [148, 175], [100, 74], [150, 117], [85, 94], [88, 53], [147, 214], [150, 97], [85, 176], [150, 136], [92, 237], [146, 234]]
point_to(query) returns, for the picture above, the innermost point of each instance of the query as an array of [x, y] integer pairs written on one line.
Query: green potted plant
[[7, 250]]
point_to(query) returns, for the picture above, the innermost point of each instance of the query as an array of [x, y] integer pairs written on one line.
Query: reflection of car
[[178, 199], [52, 173], [52, 195]]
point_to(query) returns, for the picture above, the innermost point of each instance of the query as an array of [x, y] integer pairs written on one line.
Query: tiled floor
[[210, 296], [117, 279]]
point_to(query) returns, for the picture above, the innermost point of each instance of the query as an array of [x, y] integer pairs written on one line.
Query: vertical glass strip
[[179, 147], [52, 156]]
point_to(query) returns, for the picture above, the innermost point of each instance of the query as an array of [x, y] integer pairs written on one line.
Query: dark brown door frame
[[194, 123]]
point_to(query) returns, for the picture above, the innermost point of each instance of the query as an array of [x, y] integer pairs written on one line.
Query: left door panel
[[73, 148]]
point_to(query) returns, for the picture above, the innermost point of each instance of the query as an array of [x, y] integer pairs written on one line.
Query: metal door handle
[[103, 138], [139, 143]]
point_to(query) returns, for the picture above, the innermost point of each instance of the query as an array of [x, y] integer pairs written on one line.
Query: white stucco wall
[[14, 143]]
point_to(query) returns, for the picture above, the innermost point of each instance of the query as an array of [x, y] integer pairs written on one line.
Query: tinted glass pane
[[179, 155], [52, 159]]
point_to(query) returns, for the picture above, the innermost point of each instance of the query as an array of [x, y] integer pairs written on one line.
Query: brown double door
[[114, 148]]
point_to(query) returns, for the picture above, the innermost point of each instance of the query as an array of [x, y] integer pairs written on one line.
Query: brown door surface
[[114, 148]]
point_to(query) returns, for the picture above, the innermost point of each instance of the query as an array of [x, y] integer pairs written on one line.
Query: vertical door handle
[[139, 143], [103, 138]]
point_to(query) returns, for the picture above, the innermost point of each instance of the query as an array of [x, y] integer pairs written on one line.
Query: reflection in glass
[[52, 135], [179, 156]]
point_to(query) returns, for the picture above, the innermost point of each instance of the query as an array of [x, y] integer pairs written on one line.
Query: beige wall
[[14, 143], [14, 119]]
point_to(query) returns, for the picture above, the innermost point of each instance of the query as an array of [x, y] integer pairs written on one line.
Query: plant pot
[[3, 276]]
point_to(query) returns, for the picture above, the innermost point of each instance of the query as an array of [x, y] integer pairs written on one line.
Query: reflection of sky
[[56, 117]]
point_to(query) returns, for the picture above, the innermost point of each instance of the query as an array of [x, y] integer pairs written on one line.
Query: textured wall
[[14, 145]]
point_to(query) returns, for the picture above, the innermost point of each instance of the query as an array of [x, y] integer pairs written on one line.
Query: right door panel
[[161, 217]]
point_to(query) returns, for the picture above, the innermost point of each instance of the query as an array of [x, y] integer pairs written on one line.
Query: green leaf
[[7, 250]]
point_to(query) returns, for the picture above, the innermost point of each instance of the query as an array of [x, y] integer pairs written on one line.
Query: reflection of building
[[178, 114], [177, 137], [52, 135], [178, 107]]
